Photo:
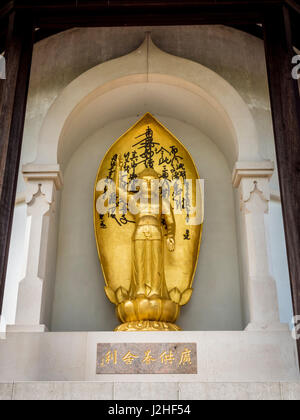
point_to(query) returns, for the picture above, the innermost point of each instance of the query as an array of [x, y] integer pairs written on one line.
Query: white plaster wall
[[80, 302], [279, 266], [234, 55]]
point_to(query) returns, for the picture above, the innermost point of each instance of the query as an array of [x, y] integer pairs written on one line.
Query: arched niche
[[209, 103], [122, 90], [80, 302]]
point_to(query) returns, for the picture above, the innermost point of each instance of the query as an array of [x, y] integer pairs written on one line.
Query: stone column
[[259, 287], [35, 289]]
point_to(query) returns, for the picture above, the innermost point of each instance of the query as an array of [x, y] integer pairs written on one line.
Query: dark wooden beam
[[68, 21], [6, 8], [12, 113], [294, 5], [149, 4], [295, 22], [253, 29], [55, 16], [285, 102], [3, 30], [70, 13]]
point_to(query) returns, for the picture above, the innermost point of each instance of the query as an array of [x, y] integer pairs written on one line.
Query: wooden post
[[286, 120], [12, 113]]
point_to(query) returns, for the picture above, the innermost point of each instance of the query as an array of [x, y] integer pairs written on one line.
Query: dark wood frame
[[280, 20], [13, 99]]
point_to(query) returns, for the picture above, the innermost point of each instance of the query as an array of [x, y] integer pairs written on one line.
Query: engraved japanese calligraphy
[[143, 358], [148, 218]]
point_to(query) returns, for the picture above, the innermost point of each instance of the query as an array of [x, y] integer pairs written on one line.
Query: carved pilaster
[[35, 289], [260, 294]]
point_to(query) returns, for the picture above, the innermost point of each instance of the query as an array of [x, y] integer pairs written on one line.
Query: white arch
[[218, 108]]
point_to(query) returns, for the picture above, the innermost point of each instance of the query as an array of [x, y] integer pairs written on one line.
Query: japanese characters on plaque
[[141, 358]]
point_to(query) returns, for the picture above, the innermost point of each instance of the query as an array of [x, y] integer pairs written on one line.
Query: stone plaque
[[141, 358]]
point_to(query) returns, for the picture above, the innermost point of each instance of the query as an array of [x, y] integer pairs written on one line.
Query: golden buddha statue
[[148, 251], [148, 277]]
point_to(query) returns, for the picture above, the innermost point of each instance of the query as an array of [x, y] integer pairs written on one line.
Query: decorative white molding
[[36, 173], [252, 170], [249, 188], [251, 178], [44, 178]]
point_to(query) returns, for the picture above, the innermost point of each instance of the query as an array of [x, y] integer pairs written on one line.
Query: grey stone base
[[149, 390]]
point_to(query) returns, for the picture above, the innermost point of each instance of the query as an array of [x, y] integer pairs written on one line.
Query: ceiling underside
[[53, 16]]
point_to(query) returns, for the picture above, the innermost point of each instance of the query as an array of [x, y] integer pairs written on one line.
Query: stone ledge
[[26, 328], [150, 391], [224, 357]]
